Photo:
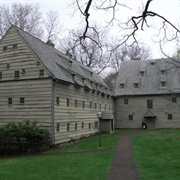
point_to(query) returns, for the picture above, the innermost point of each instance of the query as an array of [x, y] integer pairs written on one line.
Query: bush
[[23, 137]]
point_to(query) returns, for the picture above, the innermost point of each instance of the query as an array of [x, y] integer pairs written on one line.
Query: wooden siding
[[137, 106], [35, 89], [18, 59], [37, 104], [77, 114]]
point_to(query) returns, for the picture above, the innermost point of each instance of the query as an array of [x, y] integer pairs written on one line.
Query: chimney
[[50, 43]]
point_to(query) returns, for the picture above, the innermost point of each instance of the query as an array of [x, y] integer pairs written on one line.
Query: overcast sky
[[167, 8]]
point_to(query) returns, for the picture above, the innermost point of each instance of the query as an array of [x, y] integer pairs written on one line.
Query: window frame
[[67, 102], [5, 48], [22, 100], [126, 101], [41, 73], [16, 75], [169, 116], [83, 104], [57, 100], [10, 101], [14, 46], [131, 117], [136, 85], [163, 84], [122, 85], [58, 127], [149, 104]]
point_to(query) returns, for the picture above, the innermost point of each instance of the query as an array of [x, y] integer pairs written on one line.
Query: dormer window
[[152, 63], [142, 73], [122, 86], [73, 76], [5, 48], [136, 85], [163, 72]]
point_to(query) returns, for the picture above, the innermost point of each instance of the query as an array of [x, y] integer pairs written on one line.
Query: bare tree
[[110, 79], [87, 51], [126, 53], [167, 31], [27, 17], [53, 27]]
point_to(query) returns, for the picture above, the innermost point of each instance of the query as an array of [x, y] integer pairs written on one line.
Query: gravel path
[[123, 164]]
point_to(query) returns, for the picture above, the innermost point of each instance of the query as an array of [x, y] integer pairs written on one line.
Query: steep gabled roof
[[161, 76], [58, 64]]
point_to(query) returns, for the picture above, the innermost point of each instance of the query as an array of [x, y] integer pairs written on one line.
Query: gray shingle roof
[[58, 64], [150, 82]]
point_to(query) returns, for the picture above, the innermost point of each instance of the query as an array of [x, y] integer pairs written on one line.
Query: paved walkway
[[123, 164]]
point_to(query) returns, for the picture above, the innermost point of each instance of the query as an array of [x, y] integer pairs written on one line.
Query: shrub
[[23, 137]]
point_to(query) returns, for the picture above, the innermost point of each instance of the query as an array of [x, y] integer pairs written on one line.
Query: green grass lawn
[[108, 141], [94, 166], [157, 154]]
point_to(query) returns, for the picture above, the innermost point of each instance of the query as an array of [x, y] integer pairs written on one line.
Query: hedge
[[23, 137]]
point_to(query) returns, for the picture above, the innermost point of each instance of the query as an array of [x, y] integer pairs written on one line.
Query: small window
[[126, 101], [170, 117], [14, 46], [89, 125], [23, 71], [0, 75], [76, 103], [8, 66], [174, 99], [22, 100], [130, 117], [142, 73], [90, 104], [100, 106], [58, 127], [57, 100], [9, 101], [96, 124], [163, 72], [152, 63], [68, 125], [136, 85], [5, 48], [67, 102], [149, 104], [83, 104], [82, 125], [16, 74], [41, 73], [163, 84], [122, 86], [75, 126]]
